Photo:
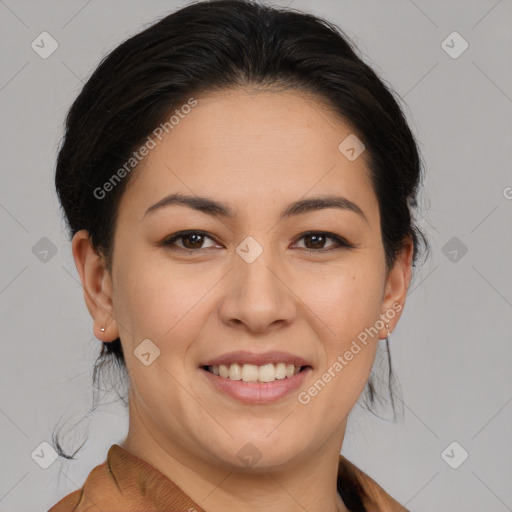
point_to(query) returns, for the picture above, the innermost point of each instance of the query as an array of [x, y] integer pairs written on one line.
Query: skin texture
[[257, 151]]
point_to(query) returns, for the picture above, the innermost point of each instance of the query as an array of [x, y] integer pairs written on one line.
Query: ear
[[97, 286], [397, 284]]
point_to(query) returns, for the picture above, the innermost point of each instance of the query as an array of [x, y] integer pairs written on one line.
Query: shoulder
[[99, 490], [369, 494], [68, 503]]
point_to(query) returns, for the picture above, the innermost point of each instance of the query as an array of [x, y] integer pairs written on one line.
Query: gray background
[[452, 350]]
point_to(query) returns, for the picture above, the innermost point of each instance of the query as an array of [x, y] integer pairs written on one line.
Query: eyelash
[[341, 243]]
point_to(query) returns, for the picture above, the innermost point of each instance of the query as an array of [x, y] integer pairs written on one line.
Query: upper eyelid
[[183, 234], [338, 239]]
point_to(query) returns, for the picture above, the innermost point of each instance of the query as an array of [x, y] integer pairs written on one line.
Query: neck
[[307, 482]]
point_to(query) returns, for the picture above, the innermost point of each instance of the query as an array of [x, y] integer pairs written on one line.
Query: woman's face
[[250, 279]]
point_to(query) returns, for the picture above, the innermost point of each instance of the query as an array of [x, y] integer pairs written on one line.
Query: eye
[[317, 239], [191, 241]]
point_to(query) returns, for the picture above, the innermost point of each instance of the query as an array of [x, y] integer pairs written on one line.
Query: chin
[[257, 453]]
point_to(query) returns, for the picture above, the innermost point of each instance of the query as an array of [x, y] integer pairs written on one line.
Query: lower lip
[[257, 392]]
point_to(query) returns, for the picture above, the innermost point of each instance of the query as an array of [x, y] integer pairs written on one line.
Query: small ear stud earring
[[389, 332], [102, 329]]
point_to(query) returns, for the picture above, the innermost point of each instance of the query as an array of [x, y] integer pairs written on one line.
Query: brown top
[[125, 483]]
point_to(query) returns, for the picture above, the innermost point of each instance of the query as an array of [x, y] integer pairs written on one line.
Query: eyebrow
[[217, 209]]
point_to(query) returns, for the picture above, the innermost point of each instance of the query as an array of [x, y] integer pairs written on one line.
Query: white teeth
[[253, 373], [280, 371], [249, 372], [267, 373], [235, 372]]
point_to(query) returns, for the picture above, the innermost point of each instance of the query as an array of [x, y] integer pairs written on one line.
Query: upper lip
[[258, 359]]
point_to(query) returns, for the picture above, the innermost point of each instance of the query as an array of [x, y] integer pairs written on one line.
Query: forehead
[[243, 146]]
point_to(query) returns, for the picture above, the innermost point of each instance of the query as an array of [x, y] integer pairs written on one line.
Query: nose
[[258, 296]]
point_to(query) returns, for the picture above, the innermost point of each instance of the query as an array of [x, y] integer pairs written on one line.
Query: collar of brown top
[[126, 482]]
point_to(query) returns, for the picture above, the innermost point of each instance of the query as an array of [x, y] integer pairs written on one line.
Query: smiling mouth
[[254, 373]]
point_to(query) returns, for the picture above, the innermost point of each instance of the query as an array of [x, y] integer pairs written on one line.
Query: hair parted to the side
[[222, 44]]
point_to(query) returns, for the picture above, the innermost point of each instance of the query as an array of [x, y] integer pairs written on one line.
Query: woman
[[238, 186]]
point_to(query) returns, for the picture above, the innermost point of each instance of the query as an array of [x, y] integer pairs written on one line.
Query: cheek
[[344, 306], [156, 302], [165, 306], [345, 299]]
